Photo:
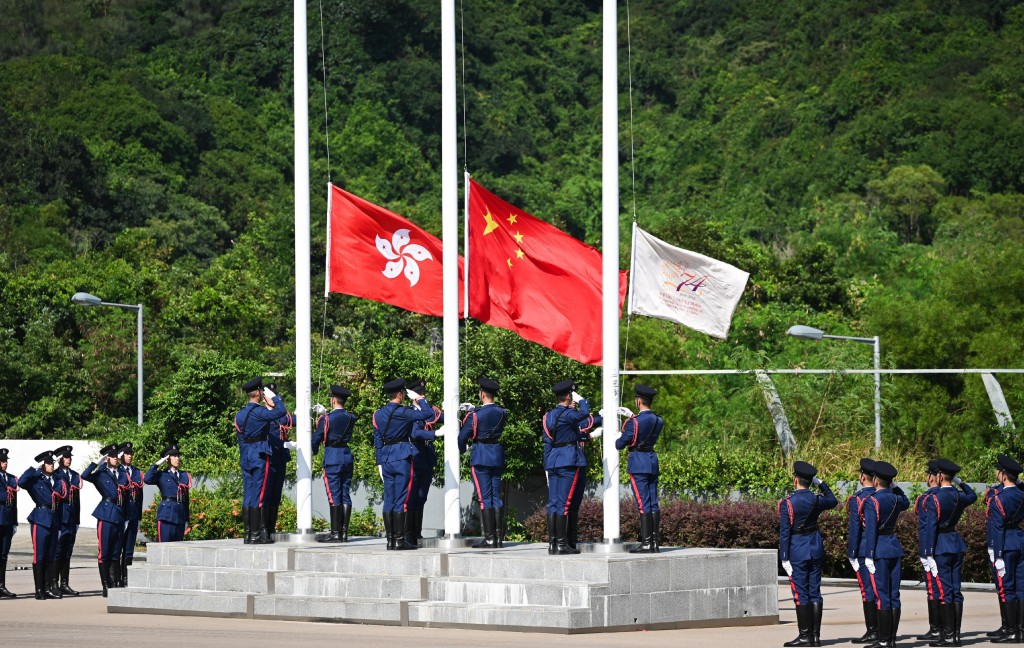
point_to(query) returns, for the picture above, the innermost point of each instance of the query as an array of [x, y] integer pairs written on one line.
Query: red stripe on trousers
[[266, 475], [34, 551], [159, 535], [476, 482], [878, 599], [796, 597], [327, 487], [860, 581], [636, 491], [1002, 591], [408, 491], [99, 540], [928, 582], [572, 489]]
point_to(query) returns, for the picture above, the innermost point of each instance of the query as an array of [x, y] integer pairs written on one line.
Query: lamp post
[[85, 299], [809, 333]]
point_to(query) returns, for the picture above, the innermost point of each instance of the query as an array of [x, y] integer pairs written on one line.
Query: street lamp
[[85, 299], [809, 333]]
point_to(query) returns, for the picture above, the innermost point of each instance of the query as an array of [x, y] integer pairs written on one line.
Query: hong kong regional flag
[[530, 277], [378, 255]]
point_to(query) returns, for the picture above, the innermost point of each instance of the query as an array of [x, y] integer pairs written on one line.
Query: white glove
[[624, 411], [855, 564], [957, 481], [870, 564], [1001, 567], [788, 566], [290, 445], [380, 471], [991, 556], [161, 461], [439, 433], [319, 409], [933, 566], [412, 395], [596, 433], [466, 407], [924, 563], [576, 397], [269, 393], [816, 481]]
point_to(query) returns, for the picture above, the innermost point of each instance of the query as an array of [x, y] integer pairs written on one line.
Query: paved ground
[[25, 620]]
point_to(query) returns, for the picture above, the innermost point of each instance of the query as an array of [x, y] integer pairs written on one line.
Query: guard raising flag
[[334, 432], [483, 427], [639, 434], [253, 426]]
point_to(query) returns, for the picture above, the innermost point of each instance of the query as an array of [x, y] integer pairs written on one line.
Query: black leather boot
[[399, 520], [656, 532], [38, 580], [870, 622], [389, 529], [572, 529], [52, 584], [499, 526], [884, 629], [562, 545], [934, 622], [816, 610], [947, 626], [803, 624], [65, 572], [1001, 631], [4, 592], [266, 524], [346, 515], [1013, 634], [105, 567], [646, 535], [894, 632], [489, 521], [124, 571], [552, 537], [272, 520], [246, 521], [335, 534], [412, 534], [958, 617]]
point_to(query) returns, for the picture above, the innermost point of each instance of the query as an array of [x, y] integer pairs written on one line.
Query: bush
[[755, 525]]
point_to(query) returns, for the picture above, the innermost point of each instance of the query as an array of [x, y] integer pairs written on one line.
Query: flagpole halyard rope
[[323, 62], [465, 132], [632, 173]]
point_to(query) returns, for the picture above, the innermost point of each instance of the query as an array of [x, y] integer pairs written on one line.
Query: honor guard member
[[47, 492], [424, 463], [483, 427], [280, 455], [254, 424], [392, 438], [334, 433], [1005, 544], [109, 513], [8, 519], [70, 518], [566, 428], [172, 514], [883, 554], [802, 551], [855, 549], [944, 548], [132, 513], [639, 434], [1003, 629], [934, 600]]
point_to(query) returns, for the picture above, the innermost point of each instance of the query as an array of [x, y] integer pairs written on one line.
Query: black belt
[[112, 500], [169, 499], [337, 445], [387, 443], [642, 449], [487, 441], [805, 530], [256, 440], [886, 531], [564, 445], [947, 530]]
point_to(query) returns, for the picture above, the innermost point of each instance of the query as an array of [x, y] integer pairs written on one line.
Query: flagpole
[[450, 261], [465, 244], [610, 273], [303, 357]]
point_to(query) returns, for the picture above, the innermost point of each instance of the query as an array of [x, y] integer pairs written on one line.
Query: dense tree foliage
[[861, 159]]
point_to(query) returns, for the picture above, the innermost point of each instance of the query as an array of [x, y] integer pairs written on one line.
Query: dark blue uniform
[[940, 540], [880, 512], [855, 540], [483, 427], [254, 424], [279, 458], [930, 582], [8, 511], [132, 513], [109, 513], [172, 514], [639, 434], [800, 542], [71, 512], [424, 462], [565, 430], [392, 438], [47, 492], [1006, 541], [334, 432]]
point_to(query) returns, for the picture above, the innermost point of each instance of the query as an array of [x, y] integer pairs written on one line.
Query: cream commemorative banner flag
[[683, 286]]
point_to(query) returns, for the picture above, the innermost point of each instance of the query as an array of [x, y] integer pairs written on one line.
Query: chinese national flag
[[530, 277], [376, 254]]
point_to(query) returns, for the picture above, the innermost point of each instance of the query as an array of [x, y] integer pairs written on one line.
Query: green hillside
[[863, 160]]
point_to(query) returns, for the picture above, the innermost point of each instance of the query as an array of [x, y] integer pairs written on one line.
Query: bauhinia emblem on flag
[[531, 278], [376, 254], [685, 287]]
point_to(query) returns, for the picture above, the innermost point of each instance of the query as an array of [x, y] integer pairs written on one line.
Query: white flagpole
[[465, 244], [610, 271], [303, 358], [450, 259], [327, 262]]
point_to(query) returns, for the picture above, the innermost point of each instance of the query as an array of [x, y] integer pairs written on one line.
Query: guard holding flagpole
[[424, 462], [334, 432], [639, 434], [483, 427], [253, 426]]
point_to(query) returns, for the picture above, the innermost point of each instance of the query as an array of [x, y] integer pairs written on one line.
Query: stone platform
[[519, 587]]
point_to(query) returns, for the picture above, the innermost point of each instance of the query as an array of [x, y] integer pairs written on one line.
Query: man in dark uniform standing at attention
[[855, 549], [172, 515], [483, 427], [1006, 546], [334, 432], [47, 493], [802, 551], [132, 513], [71, 517], [109, 513], [566, 428], [934, 601], [1003, 628], [280, 455], [639, 434], [883, 553], [254, 424], [424, 463], [8, 519]]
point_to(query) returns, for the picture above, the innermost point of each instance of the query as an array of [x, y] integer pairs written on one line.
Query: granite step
[[211, 579], [353, 586], [382, 611], [487, 591], [369, 560], [157, 601], [498, 617]]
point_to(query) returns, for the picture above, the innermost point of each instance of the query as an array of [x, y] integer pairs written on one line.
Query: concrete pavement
[[25, 620]]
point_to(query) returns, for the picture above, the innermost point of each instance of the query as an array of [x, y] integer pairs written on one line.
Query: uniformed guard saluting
[[8, 519], [1005, 547], [70, 518], [883, 554], [566, 428], [132, 513], [334, 432], [280, 455], [254, 424], [639, 434], [47, 492], [109, 513], [424, 462], [392, 439], [483, 426], [172, 514], [802, 551]]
